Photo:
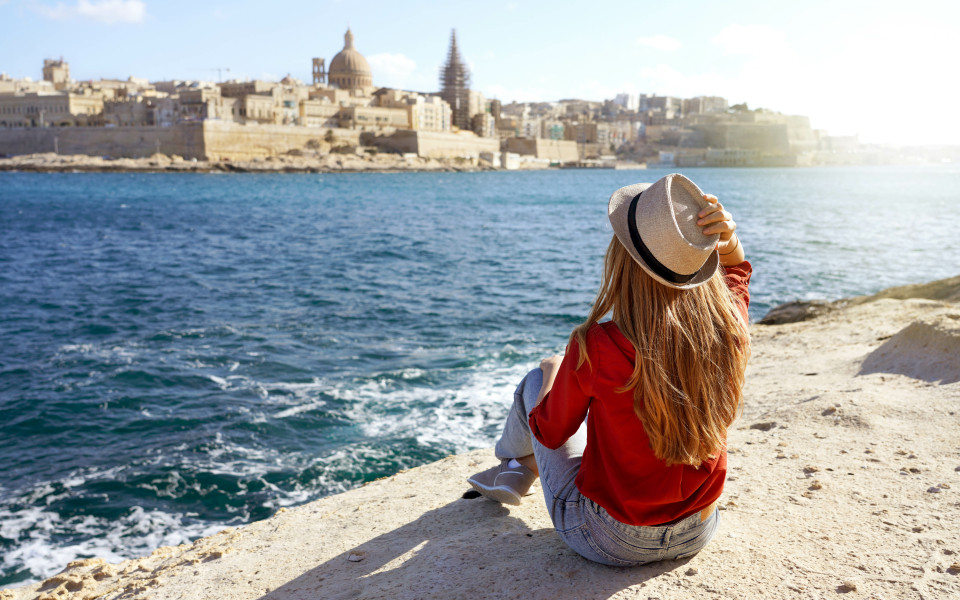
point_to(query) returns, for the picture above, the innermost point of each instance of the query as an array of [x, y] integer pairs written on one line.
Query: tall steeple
[[455, 85]]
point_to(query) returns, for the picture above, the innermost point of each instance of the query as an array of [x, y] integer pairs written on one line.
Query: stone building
[[257, 108], [484, 125], [56, 72], [349, 69], [551, 129], [629, 102], [239, 89], [373, 117], [581, 132], [126, 113], [476, 103], [50, 109], [495, 108], [704, 105], [529, 127], [319, 113], [430, 113], [424, 113], [338, 97], [617, 132], [9, 85]]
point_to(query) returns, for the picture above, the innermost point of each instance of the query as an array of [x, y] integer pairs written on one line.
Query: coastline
[[850, 415], [160, 163], [328, 163]]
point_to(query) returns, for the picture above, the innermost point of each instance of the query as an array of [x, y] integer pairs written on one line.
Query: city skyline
[[860, 68]]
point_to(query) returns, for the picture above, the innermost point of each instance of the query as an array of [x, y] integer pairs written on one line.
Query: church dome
[[349, 69]]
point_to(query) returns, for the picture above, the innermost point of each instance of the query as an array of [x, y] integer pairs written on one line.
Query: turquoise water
[[184, 352]]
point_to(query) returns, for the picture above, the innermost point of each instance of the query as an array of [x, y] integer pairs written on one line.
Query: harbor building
[[342, 106]]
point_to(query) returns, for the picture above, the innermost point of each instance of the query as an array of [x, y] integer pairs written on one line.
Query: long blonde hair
[[691, 348]]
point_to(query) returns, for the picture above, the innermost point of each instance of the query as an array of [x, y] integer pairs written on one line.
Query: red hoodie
[[619, 471]]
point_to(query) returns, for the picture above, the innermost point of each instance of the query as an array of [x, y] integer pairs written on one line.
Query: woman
[[628, 430]]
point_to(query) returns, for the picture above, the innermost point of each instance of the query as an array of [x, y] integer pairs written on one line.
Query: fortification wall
[[220, 140], [450, 145], [234, 141], [765, 137], [430, 144], [185, 139], [561, 151], [401, 142]]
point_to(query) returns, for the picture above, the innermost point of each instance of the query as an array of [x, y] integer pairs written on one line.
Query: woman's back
[[627, 432], [619, 470]]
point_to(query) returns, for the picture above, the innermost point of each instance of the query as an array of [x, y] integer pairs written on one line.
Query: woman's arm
[[714, 219], [563, 401], [549, 367]]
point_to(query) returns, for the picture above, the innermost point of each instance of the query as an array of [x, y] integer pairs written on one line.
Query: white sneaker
[[503, 483]]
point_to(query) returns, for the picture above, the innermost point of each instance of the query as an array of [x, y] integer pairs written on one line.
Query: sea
[[180, 353]]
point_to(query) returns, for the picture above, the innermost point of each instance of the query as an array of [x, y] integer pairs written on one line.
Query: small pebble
[[847, 586], [933, 490], [945, 486], [810, 469], [816, 485], [828, 411], [693, 571], [954, 569], [356, 557]]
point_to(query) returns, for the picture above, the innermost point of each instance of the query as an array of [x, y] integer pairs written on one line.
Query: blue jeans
[[583, 524]]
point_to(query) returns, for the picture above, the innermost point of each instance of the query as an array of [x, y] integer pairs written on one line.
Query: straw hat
[[657, 224]]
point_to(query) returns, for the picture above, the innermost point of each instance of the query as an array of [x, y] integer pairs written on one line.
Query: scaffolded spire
[[455, 85]]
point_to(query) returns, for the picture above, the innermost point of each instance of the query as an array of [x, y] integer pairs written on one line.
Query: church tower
[[455, 85]]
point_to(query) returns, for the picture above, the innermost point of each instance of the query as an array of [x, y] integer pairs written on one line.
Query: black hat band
[[655, 265]]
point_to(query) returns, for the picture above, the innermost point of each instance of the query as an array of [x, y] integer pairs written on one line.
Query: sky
[[883, 70]]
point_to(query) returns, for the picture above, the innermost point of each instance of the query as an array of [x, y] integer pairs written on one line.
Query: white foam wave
[[393, 404], [296, 410], [460, 418], [115, 354], [134, 534]]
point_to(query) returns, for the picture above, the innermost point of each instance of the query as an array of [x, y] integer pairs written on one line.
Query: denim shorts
[[603, 539], [584, 525]]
